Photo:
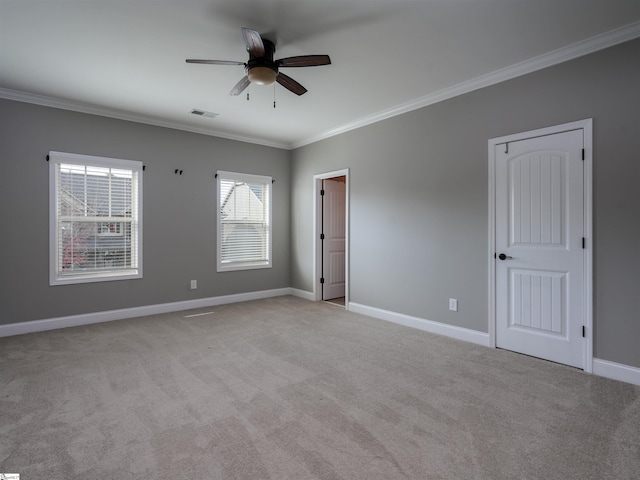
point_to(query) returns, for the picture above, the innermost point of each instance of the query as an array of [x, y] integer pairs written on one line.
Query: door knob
[[502, 256]]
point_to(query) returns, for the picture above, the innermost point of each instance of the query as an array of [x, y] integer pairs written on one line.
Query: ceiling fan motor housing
[[263, 70]]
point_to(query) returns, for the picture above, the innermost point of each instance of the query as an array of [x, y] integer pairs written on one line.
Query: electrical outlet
[[453, 304], [194, 284]]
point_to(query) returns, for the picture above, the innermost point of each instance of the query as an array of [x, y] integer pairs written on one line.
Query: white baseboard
[[303, 294], [616, 371], [603, 368], [465, 334], [98, 317]]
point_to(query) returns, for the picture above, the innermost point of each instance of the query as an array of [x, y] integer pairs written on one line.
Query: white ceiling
[[126, 59]]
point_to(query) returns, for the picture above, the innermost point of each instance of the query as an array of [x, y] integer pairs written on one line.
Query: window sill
[[242, 266], [95, 277]]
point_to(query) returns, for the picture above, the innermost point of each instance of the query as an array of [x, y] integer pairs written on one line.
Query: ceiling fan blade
[[304, 61], [214, 62], [253, 41], [290, 84], [240, 86]]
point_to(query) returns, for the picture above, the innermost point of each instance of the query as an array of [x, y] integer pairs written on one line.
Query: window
[[244, 221], [95, 218]]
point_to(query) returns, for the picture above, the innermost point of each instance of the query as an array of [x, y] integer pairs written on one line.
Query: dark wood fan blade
[[290, 84], [304, 61], [214, 62], [253, 41], [240, 86]]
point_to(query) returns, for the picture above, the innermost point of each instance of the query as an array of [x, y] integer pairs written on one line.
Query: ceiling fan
[[262, 69]]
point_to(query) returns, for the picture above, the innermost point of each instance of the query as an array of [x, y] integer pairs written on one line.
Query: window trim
[[57, 158], [246, 265]]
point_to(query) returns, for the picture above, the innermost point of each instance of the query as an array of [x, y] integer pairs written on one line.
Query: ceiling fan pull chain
[[274, 95]]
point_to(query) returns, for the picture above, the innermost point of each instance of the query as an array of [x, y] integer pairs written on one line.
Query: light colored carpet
[[288, 389]]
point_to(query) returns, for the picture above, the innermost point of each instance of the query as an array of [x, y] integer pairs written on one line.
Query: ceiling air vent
[[204, 113]]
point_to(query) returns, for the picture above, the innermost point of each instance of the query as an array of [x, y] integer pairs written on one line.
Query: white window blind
[[244, 221], [96, 226]]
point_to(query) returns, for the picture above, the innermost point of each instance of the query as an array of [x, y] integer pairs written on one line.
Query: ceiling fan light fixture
[[262, 69], [262, 75]]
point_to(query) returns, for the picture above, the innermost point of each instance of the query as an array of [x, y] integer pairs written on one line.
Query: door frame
[[317, 228], [586, 126]]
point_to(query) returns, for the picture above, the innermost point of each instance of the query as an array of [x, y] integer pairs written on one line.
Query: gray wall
[[418, 202], [419, 196], [179, 212]]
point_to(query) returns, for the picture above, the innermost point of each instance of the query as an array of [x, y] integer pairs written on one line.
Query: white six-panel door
[[539, 230]]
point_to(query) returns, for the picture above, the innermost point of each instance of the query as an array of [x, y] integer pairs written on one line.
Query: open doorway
[[331, 197]]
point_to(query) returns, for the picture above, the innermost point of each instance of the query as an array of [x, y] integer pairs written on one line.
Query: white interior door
[[539, 231], [333, 244]]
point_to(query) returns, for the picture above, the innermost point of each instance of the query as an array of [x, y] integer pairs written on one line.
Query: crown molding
[[80, 107], [560, 55]]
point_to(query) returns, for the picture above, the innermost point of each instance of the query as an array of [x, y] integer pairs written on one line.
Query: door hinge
[[584, 242], [583, 154], [584, 331], [322, 236], [322, 280], [322, 192]]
